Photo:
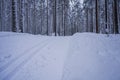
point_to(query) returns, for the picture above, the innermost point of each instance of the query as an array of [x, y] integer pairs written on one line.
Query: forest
[[59, 39], [60, 17]]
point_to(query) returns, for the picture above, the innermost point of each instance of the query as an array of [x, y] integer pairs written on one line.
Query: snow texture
[[83, 56]]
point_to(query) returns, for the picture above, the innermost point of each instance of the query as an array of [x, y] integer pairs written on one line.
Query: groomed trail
[[84, 56], [42, 59]]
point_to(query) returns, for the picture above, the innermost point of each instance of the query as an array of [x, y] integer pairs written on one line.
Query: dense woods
[[104, 14], [60, 17]]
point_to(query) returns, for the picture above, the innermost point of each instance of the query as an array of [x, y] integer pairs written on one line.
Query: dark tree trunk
[[47, 18], [20, 16], [54, 18], [64, 17], [106, 14], [0, 15], [97, 31], [115, 17], [13, 17]]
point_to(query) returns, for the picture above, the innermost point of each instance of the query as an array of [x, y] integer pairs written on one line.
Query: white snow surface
[[83, 56]]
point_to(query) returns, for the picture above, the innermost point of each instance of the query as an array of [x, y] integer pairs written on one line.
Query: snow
[[83, 56], [93, 57]]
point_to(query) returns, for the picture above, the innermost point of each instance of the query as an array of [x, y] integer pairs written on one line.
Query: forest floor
[[83, 56]]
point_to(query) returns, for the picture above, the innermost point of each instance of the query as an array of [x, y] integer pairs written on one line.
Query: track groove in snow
[[14, 66], [48, 62], [80, 57], [21, 54]]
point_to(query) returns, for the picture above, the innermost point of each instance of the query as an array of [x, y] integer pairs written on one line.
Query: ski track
[[12, 35], [19, 56], [58, 50], [51, 60], [21, 61]]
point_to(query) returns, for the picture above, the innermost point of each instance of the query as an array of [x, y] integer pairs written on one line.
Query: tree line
[[102, 16], [60, 17]]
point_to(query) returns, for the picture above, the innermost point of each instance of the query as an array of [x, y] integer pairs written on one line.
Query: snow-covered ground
[[93, 57], [83, 56]]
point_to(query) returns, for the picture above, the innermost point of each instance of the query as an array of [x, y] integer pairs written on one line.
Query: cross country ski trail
[[12, 67], [47, 62], [25, 53]]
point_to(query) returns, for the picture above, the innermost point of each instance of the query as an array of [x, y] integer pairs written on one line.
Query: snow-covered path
[[47, 64], [82, 56], [43, 60]]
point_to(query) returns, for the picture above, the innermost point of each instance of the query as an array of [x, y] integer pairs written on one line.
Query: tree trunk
[[115, 17], [106, 15], [47, 18], [97, 31], [13, 17], [54, 18]]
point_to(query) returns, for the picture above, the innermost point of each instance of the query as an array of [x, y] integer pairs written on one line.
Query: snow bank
[[93, 57]]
